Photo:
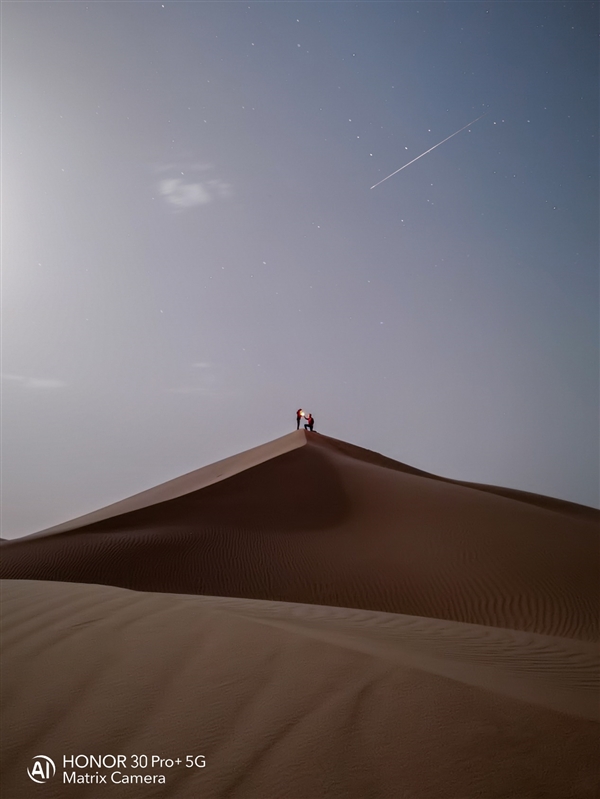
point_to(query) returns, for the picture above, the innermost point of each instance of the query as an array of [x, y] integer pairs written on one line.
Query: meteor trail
[[430, 149]]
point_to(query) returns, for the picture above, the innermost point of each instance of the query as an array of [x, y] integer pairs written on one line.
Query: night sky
[[192, 250]]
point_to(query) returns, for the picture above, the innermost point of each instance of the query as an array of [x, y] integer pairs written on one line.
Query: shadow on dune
[[223, 539]]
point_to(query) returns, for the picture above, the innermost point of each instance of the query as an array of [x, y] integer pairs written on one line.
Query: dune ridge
[[549, 503], [179, 486]]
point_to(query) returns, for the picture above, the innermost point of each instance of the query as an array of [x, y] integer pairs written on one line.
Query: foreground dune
[[315, 620], [289, 700]]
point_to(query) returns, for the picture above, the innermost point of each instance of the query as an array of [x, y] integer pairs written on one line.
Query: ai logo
[[43, 769]]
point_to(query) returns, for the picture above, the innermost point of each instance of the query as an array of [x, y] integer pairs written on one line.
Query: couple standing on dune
[[309, 419]]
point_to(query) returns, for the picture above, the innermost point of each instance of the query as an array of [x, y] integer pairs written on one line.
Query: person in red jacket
[[299, 415], [309, 422]]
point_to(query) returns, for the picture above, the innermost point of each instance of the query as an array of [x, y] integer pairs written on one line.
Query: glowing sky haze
[[192, 250]]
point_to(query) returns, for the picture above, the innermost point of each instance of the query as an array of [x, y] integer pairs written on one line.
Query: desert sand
[[315, 620]]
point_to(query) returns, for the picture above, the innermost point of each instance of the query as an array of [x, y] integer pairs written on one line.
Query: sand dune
[[317, 621], [323, 522], [290, 700]]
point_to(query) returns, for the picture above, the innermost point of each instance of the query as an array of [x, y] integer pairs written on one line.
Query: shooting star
[[430, 149]]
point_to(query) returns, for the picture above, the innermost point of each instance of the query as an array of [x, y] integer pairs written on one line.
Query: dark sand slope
[[290, 701], [309, 519]]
